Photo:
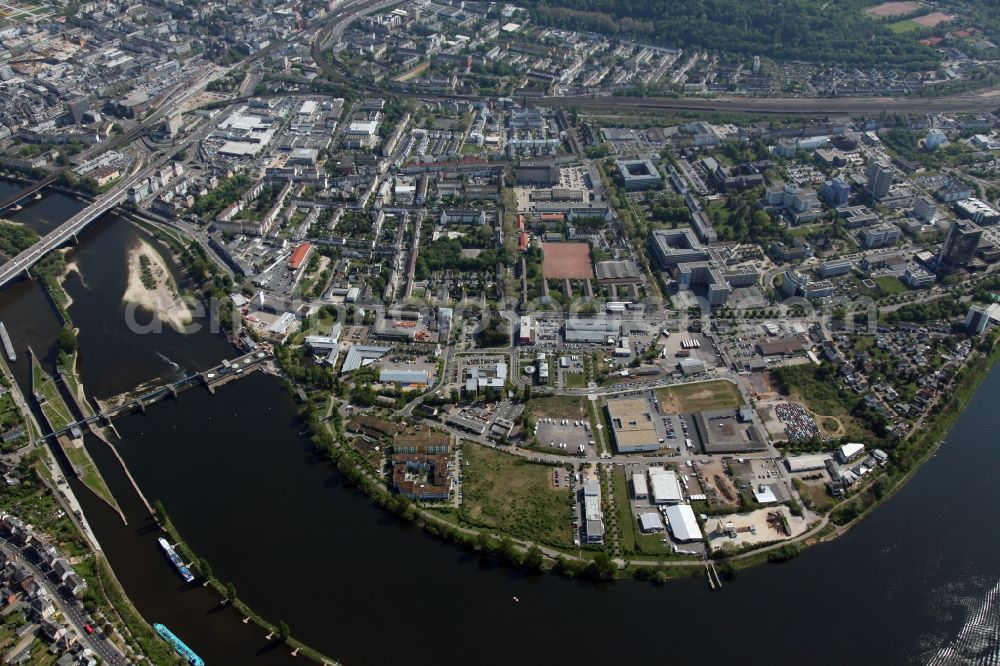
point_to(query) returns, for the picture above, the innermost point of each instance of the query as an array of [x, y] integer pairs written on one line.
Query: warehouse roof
[[360, 355], [650, 522], [683, 524], [666, 488], [405, 376], [806, 463]]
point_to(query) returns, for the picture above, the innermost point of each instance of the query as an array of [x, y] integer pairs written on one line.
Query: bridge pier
[[27, 273], [76, 241], [141, 405], [173, 391]]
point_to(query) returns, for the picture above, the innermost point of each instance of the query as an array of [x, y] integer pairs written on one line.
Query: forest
[[806, 30]]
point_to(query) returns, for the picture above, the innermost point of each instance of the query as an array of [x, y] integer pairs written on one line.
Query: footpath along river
[[913, 583]]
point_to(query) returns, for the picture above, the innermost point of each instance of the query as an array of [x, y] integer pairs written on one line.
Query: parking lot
[[565, 436], [799, 425]]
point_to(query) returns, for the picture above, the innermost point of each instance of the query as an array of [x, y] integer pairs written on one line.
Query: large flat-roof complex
[[638, 174], [592, 331], [632, 425], [729, 431], [677, 246], [666, 487], [592, 509]]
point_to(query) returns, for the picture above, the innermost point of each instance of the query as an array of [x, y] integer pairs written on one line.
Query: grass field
[[576, 380], [814, 495], [904, 26], [689, 398], [88, 472], [889, 285], [507, 493], [864, 342], [53, 407], [557, 407]]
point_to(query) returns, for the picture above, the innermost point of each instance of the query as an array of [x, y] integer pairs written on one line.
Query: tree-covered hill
[[831, 31]]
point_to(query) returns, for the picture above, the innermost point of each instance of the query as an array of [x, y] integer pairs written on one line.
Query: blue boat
[[176, 560], [178, 645]]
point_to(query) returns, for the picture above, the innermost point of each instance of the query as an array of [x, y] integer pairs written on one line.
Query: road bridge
[[65, 231]]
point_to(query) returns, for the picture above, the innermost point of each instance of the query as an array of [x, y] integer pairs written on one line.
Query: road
[[67, 604]]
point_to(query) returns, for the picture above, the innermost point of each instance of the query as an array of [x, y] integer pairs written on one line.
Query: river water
[[913, 583]]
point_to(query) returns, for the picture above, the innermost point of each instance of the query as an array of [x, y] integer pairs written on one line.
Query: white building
[[666, 488], [639, 488], [683, 525], [850, 451]]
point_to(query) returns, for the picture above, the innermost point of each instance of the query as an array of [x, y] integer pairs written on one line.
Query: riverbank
[[151, 286], [908, 455], [227, 593], [984, 358]]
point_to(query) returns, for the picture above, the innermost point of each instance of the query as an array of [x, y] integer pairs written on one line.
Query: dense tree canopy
[[808, 30]]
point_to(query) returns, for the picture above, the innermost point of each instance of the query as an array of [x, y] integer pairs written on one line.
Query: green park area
[[507, 493], [690, 398]]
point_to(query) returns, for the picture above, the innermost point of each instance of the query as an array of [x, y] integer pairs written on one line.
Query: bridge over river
[[223, 373]]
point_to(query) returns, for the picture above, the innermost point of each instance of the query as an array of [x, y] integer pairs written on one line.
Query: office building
[[638, 174], [978, 211], [676, 246], [834, 267], [924, 209], [935, 139], [960, 245], [880, 177], [835, 192], [881, 235], [798, 204], [981, 318]]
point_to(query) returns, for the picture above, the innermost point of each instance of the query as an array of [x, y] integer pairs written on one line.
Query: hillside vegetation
[[808, 30]]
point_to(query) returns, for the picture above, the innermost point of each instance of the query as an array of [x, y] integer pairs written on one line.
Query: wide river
[[913, 583]]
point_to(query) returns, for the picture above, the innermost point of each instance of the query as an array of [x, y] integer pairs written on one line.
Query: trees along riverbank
[[328, 437]]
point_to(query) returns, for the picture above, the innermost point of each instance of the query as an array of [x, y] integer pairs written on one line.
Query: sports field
[[887, 9], [566, 261], [931, 20]]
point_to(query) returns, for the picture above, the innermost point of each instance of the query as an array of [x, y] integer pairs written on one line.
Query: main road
[[72, 610]]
